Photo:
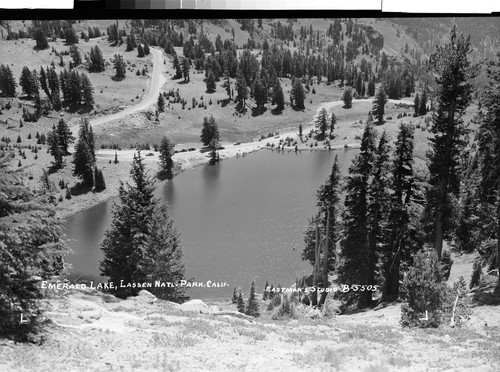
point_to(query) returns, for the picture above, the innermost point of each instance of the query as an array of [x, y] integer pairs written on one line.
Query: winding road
[[155, 83]]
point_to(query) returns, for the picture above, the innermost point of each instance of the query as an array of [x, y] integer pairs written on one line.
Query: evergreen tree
[[142, 245], [241, 88], [84, 157], [7, 81], [161, 102], [371, 88], [321, 124], [399, 230], [65, 136], [298, 94], [278, 97], [100, 184], [43, 83], [41, 39], [227, 83], [333, 122], [177, 68], [75, 55], [252, 307], [378, 201], [28, 82], [185, 69], [416, 105], [347, 97], [147, 50], [423, 103], [120, 67], [33, 249], [70, 35], [55, 150], [96, 60], [166, 163], [379, 105], [234, 299], [259, 92], [209, 132], [489, 151], [240, 304], [210, 81], [453, 70], [355, 249], [87, 90], [140, 51]]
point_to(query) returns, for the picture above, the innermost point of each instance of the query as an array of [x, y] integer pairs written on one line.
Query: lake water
[[240, 220]]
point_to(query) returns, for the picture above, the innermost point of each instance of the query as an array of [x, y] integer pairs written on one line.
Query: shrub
[[424, 290], [285, 309]]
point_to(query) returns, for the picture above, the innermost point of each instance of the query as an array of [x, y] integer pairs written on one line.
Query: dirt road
[[155, 83]]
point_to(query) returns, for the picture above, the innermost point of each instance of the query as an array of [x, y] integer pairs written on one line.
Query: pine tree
[[177, 68], [241, 88], [371, 88], [43, 83], [55, 150], [142, 245], [33, 249], [87, 90], [378, 201], [119, 66], [185, 69], [416, 105], [453, 70], [399, 231], [166, 163], [7, 81], [84, 157], [147, 50], [347, 97], [75, 55], [209, 132], [234, 299], [140, 51], [240, 304], [28, 82], [65, 137], [321, 124], [358, 265], [252, 307], [96, 60], [227, 83], [333, 122], [41, 39], [278, 96], [210, 82], [423, 103], [298, 94], [161, 102], [259, 93], [489, 150], [379, 105], [100, 184]]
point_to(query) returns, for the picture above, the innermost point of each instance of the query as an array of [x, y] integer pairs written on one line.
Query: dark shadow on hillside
[[258, 111], [275, 111], [182, 82], [79, 189], [116, 78]]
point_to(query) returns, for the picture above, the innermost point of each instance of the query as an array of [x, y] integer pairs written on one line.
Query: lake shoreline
[[183, 161]]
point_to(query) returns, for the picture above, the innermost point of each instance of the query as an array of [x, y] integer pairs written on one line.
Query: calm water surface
[[241, 220]]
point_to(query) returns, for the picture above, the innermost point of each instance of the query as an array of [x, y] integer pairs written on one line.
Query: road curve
[[155, 83]]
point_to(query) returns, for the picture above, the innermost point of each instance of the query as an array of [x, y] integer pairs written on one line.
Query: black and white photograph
[[315, 191]]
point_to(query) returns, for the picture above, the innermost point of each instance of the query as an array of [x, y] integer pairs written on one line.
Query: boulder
[[110, 298], [196, 305]]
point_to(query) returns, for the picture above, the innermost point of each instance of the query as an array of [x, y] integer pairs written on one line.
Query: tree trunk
[[314, 294], [438, 232], [325, 259]]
